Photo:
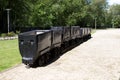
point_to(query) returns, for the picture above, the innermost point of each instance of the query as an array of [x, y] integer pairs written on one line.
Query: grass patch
[[9, 54]]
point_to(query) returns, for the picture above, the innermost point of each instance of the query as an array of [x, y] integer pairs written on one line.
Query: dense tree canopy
[[47, 13], [114, 12]]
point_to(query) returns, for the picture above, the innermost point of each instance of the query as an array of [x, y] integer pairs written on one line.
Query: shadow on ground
[[62, 52]]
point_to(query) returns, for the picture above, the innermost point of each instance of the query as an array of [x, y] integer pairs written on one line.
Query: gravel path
[[96, 59]]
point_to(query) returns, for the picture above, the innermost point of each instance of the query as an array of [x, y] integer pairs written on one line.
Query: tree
[[97, 9], [46, 13], [19, 12], [114, 11]]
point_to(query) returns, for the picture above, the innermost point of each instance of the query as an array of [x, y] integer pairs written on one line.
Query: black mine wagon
[[56, 36], [32, 44], [40, 46], [75, 32]]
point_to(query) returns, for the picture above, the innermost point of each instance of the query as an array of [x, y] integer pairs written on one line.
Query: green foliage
[[41, 16], [3, 35], [10, 34], [114, 12], [97, 10], [46, 13], [17, 32], [19, 13]]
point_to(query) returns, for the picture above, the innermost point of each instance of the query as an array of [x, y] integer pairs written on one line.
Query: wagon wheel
[[47, 57], [62, 49], [41, 61], [57, 52]]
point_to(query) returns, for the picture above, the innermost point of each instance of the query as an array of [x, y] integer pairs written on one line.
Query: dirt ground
[[96, 59]]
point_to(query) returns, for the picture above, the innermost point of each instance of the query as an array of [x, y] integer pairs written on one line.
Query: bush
[[3, 35], [10, 34], [17, 32]]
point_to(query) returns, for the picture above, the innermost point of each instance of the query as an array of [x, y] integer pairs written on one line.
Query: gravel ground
[[95, 59]]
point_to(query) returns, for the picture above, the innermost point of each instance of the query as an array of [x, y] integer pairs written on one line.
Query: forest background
[[43, 14]]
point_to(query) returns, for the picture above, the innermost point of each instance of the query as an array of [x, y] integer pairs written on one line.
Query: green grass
[[9, 54]]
